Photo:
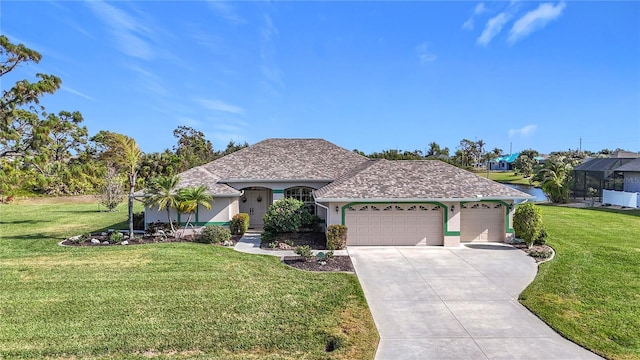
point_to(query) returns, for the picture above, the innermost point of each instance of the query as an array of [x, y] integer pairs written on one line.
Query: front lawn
[[590, 292], [175, 300]]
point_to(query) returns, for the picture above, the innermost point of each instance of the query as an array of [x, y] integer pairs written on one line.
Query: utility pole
[[580, 151]]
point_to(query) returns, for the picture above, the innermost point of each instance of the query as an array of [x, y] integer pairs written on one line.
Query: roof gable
[[286, 159], [414, 179]]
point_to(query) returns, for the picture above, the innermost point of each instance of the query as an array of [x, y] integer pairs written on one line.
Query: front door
[[254, 203]]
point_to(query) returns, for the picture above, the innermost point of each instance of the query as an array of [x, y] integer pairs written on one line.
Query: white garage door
[[394, 224], [482, 222]]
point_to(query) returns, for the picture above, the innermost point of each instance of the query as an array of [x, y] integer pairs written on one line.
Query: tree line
[[51, 153]]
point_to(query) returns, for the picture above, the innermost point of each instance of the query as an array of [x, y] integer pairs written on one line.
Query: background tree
[[162, 192], [435, 151], [526, 162], [231, 148], [112, 193], [123, 153], [189, 199], [555, 178], [157, 164], [20, 125], [192, 148]]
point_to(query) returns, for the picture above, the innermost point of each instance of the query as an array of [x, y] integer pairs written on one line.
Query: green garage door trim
[[443, 206]]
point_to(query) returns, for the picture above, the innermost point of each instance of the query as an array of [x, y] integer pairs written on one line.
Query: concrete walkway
[[455, 303], [250, 243]]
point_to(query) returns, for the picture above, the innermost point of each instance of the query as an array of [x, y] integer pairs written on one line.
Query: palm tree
[[123, 152], [190, 198], [162, 192], [555, 179]]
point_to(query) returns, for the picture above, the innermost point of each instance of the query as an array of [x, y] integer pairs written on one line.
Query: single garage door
[[394, 224], [482, 222]]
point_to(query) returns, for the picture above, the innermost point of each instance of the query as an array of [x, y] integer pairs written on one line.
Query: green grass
[[174, 300], [508, 177], [590, 292]]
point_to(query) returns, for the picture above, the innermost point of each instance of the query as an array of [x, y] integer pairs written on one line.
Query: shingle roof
[[601, 164], [201, 176], [414, 179], [286, 159], [630, 166]]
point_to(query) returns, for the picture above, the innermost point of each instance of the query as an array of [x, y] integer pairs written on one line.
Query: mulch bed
[[137, 240], [336, 263], [539, 252], [290, 241]]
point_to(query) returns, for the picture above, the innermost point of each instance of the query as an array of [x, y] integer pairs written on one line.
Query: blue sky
[[365, 75]]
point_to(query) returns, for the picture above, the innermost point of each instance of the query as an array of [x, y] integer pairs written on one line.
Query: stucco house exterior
[[382, 202]]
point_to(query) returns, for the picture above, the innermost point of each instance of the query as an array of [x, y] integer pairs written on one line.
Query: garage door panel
[[402, 224], [482, 222]]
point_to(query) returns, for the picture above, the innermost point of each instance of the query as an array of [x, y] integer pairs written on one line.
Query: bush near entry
[[239, 224], [284, 216], [336, 237], [213, 235]]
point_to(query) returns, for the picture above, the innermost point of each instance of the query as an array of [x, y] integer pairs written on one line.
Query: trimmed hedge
[[336, 237], [239, 224], [213, 235]]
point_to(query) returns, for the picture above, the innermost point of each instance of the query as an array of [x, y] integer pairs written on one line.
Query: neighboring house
[[631, 176], [504, 162], [382, 202], [599, 174]]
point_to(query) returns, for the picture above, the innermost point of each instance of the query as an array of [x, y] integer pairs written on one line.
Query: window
[[300, 193]]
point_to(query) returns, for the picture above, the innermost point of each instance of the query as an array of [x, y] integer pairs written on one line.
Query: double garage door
[[394, 224], [421, 224]]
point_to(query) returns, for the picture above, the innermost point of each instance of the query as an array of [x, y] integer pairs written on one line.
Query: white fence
[[621, 198]]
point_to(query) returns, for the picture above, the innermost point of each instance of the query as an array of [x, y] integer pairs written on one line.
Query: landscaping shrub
[[152, 228], [527, 223], [542, 238], [336, 237], [115, 237], [138, 220], [284, 216], [304, 251], [213, 235], [239, 224]]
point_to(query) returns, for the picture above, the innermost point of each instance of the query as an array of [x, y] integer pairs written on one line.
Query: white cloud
[[524, 131], [478, 10], [219, 105], [535, 20], [76, 92], [126, 30], [226, 11], [493, 28], [424, 54]]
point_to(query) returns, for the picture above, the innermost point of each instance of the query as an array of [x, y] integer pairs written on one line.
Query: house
[[382, 202], [601, 173], [629, 195], [504, 162]]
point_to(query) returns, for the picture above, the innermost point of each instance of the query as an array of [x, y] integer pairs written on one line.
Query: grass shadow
[[23, 222]]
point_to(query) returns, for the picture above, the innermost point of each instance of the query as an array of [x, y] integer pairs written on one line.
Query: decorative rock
[[227, 243], [105, 243], [126, 237], [75, 238], [124, 243], [95, 241], [103, 233], [284, 246]]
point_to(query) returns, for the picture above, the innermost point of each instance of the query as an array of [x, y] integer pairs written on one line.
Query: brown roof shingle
[[286, 159], [414, 179]]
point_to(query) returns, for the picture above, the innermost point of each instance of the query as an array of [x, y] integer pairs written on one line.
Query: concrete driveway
[[455, 303]]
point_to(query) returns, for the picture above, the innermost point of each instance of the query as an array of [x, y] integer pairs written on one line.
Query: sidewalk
[[250, 244]]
